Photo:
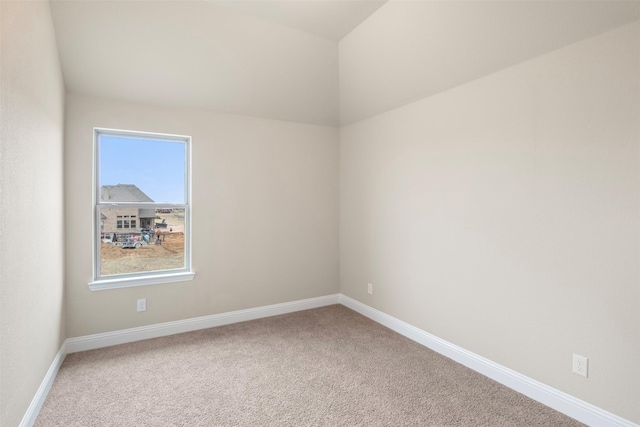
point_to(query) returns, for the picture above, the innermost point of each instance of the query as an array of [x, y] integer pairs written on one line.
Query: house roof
[[147, 213], [123, 193]]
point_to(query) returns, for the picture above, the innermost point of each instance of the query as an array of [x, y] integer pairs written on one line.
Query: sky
[[156, 167]]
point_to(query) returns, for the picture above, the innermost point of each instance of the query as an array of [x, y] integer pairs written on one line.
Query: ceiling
[[196, 54], [332, 19], [412, 50], [323, 62]]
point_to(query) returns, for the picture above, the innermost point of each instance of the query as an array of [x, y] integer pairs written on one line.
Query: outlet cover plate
[[580, 365]]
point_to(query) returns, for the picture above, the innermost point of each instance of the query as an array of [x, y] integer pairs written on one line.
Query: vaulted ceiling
[[332, 19], [315, 61]]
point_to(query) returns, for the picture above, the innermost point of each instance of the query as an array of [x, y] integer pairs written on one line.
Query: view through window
[[142, 204]]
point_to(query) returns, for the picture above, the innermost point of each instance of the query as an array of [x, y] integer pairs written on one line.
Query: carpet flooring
[[323, 367]]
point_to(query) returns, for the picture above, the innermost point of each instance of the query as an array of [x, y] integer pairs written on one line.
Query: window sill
[[127, 282]]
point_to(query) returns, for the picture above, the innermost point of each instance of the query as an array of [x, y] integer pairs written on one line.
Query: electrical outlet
[[369, 288], [580, 365], [142, 304]]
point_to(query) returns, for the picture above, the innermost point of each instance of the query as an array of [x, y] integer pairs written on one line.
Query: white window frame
[[148, 277]]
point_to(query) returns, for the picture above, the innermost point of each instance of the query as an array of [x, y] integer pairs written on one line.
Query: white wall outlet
[[369, 288], [142, 304], [580, 365]]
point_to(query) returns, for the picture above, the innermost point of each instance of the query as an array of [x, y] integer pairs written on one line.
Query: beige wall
[[265, 214], [504, 216], [31, 204]]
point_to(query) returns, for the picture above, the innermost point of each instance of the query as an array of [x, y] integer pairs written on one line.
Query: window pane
[[157, 245], [142, 197], [142, 170]]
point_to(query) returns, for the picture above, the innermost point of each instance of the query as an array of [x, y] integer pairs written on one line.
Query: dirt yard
[[168, 255]]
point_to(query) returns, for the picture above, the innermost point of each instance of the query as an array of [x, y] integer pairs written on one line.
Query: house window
[[141, 176]]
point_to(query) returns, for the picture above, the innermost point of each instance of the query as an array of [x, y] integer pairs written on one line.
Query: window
[[141, 177]]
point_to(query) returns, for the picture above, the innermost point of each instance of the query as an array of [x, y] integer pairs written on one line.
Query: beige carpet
[[323, 367]]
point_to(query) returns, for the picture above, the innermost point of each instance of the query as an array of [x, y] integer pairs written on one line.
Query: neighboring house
[[123, 219]]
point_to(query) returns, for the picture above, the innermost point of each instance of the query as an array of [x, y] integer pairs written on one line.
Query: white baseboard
[[38, 400], [556, 399], [90, 342]]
